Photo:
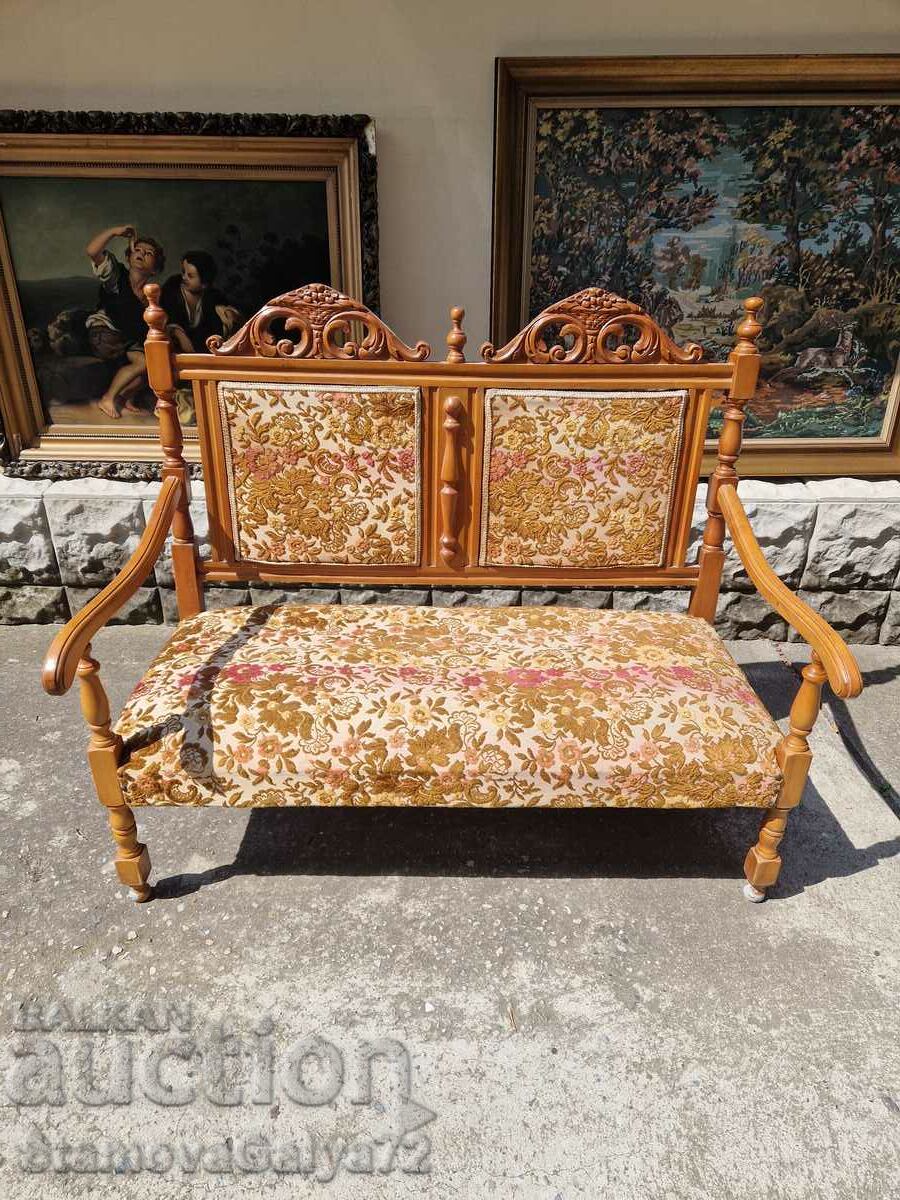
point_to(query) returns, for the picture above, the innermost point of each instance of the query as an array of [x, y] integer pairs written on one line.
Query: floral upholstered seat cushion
[[322, 474], [372, 705], [578, 478]]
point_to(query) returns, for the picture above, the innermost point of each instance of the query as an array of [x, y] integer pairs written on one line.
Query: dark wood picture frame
[[337, 153], [522, 85]]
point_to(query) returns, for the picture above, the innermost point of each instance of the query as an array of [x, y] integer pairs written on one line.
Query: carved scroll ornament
[[602, 327], [315, 322]]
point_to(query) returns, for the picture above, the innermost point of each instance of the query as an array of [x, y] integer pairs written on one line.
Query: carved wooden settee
[[333, 452]]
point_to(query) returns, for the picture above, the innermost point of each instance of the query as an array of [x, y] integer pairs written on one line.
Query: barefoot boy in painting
[[122, 305]]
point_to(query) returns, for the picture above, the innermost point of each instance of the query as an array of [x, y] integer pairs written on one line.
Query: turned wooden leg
[[104, 753], [763, 863], [132, 858]]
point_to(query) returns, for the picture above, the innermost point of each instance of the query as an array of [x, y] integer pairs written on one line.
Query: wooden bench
[[333, 452]]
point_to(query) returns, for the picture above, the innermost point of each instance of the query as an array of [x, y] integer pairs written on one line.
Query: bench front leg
[[830, 661], [763, 863], [104, 757]]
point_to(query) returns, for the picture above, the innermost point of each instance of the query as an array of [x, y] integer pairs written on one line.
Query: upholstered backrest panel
[[582, 479], [326, 474]]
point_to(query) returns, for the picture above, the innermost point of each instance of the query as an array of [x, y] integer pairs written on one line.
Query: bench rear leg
[[763, 863]]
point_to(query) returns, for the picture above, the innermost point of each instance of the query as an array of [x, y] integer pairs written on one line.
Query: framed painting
[[688, 184], [224, 211]]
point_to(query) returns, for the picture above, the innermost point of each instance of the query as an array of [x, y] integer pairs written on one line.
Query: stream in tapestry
[[689, 211]]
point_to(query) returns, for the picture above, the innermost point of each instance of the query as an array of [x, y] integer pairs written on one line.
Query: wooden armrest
[[73, 639], [839, 663]]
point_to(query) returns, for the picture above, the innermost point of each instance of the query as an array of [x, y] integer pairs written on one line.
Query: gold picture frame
[[318, 173], [808, 395]]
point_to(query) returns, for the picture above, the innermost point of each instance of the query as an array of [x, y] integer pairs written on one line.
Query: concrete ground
[[589, 1005]]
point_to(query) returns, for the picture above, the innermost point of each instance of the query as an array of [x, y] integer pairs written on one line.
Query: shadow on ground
[[540, 843]]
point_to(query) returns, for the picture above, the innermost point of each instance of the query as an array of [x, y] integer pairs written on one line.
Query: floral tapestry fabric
[[323, 474], [579, 479], [377, 705]]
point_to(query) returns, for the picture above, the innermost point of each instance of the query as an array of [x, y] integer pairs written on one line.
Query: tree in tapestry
[[689, 211]]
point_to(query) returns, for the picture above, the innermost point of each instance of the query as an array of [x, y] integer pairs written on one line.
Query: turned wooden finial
[[749, 328], [456, 339], [153, 314]]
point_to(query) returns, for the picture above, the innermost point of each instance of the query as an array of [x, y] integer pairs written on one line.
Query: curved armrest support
[[70, 644], [839, 663]]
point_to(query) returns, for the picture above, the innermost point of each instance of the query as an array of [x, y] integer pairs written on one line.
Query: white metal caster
[[753, 894]]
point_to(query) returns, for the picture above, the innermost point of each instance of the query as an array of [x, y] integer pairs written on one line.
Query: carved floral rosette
[[598, 322], [317, 323]]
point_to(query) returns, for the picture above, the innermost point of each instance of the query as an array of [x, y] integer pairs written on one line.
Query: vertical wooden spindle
[[158, 352], [745, 360], [450, 473]]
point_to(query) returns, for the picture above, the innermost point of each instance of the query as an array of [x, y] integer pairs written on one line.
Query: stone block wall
[[837, 541]]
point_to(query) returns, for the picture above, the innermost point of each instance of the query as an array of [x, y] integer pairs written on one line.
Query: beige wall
[[423, 70]]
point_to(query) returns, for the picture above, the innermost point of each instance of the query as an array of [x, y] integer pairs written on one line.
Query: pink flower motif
[[405, 461], [259, 463], [635, 464], [526, 676], [471, 680], [243, 672], [408, 672], [626, 673], [689, 676], [500, 466], [570, 751]]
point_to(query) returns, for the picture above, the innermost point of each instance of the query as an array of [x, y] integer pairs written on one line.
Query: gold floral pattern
[[579, 479], [323, 474], [376, 705]]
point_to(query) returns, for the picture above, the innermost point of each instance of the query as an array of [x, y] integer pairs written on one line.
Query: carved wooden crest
[[315, 321], [604, 328]]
